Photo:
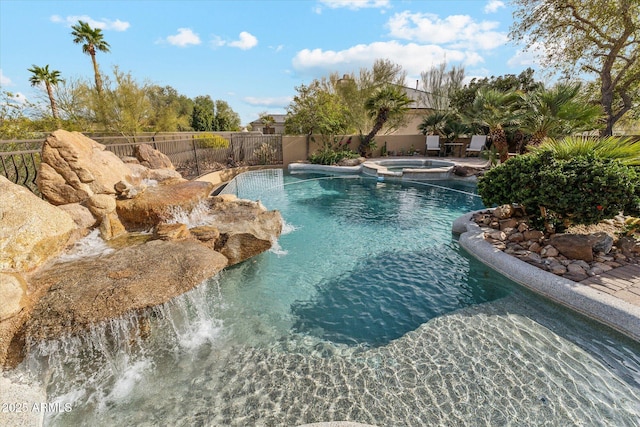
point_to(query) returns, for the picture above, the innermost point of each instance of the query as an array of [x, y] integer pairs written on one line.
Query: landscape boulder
[[132, 278], [31, 230], [151, 158], [246, 228], [573, 246], [75, 167], [160, 203]]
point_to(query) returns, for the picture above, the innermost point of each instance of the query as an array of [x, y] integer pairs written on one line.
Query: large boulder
[[75, 167], [573, 246], [31, 230], [133, 278], [140, 172], [246, 228], [151, 158], [159, 203]]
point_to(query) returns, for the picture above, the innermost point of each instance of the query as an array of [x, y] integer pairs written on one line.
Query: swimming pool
[[366, 310]]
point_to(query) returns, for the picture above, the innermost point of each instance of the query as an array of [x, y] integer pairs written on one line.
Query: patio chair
[[433, 144], [477, 144]]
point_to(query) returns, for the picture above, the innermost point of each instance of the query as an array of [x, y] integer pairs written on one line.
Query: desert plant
[[265, 154]]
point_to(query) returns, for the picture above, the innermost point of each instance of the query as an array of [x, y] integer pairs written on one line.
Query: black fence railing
[[192, 154]]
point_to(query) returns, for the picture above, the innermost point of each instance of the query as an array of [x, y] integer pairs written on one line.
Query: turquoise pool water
[[366, 310]]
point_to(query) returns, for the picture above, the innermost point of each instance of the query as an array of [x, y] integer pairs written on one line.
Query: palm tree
[[626, 150], [267, 120], [495, 109], [91, 40], [433, 123], [50, 78], [556, 113], [386, 103]]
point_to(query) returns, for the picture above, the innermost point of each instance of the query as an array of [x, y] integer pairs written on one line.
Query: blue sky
[[253, 54]]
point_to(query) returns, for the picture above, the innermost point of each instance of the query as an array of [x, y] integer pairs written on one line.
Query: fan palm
[[494, 109], [433, 123], [50, 78], [556, 113], [92, 40], [625, 150], [386, 103]]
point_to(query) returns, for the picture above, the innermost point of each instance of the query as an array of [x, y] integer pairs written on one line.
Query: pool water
[[365, 310]]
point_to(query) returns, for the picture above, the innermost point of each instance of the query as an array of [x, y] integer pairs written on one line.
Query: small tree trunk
[[54, 107]]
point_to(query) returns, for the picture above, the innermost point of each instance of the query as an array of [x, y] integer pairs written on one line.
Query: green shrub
[[209, 140], [329, 156], [581, 190]]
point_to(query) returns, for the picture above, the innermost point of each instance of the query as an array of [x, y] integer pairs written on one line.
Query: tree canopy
[[600, 37], [91, 40], [50, 78], [210, 115]]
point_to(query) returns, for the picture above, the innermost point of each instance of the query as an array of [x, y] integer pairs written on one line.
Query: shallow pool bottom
[[245, 348]]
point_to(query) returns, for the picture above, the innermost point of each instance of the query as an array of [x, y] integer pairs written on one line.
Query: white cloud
[[279, 101], [246, 41], [414, 58], [103, 24], [459, 31], [184, 38], [4, 80], [492, 6], [353, 4], [216, 42]]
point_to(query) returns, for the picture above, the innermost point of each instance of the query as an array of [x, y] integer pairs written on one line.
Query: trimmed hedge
[[580, 190]]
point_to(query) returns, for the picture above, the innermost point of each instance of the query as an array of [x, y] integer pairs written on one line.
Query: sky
[[253, 54]]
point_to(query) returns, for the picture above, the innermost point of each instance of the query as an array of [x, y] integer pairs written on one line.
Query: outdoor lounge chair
[[433, 144], [477, 144]]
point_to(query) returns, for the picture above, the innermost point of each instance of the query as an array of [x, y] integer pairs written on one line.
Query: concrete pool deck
[[612, 298]]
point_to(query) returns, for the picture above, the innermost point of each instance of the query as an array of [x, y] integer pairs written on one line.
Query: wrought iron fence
[[20, 161], [192, 154]]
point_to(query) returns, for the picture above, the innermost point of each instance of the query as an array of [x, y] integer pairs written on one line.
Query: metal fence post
[[195, 155]]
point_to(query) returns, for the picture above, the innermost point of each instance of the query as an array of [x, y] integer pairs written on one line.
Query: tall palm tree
[[556, 113], [92, 40], [388, 102], [50, 78], [495, 109]]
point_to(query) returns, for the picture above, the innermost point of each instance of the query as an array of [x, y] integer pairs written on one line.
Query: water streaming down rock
[[103, 364]]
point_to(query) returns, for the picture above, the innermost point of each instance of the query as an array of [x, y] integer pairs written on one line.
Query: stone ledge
[[611, 311]]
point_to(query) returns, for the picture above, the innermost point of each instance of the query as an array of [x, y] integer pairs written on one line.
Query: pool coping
[[620, 315]]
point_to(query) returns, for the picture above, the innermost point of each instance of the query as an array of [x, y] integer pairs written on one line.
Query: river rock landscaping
[[576, 254]]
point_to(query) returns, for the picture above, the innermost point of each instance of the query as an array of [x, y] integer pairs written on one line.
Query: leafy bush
[[329, 156], [580, 190], [209, 140], [332, 152]]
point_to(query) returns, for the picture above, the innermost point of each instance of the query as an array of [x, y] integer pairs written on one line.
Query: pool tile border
[[601, 306]]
